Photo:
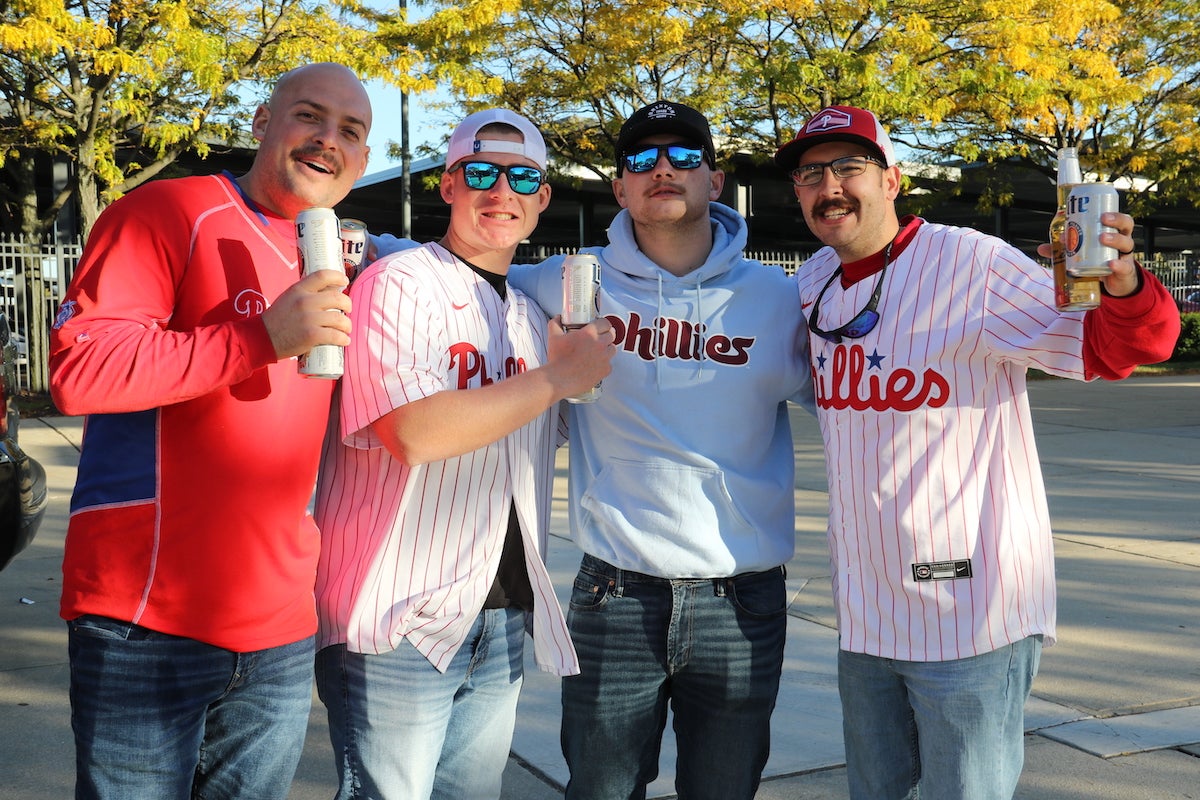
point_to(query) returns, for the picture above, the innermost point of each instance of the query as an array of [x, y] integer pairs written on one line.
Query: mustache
[[313, 152], [843, 204]]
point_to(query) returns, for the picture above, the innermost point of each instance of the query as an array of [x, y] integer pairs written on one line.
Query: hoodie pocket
[[680, 503]]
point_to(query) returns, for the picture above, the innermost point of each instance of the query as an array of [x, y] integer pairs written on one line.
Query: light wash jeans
[[936, 730], [401, 730], [711, 648], [159, 717]]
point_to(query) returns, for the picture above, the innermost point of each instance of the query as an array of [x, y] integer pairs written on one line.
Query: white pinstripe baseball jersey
[[939, 528], [410, 552]]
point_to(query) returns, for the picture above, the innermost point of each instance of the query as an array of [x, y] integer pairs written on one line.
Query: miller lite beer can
[[320, 248], [581, 303], [1086, 257], [354, 245]]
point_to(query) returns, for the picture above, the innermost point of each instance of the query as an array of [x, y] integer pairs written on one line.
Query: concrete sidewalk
[[1116, 709]]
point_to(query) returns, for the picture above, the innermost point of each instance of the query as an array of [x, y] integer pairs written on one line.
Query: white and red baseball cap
[[838, 124], [465, 141]]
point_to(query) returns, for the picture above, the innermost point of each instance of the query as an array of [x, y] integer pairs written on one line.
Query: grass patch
[[1169, 368], [1144, 371], [36, 404]]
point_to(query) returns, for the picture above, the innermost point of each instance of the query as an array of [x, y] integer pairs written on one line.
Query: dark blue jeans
[[710, 648], [159, 717]]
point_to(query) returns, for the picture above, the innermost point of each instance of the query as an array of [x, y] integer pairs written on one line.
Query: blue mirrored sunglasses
[[864, 321], [483, 175], [680, 156]]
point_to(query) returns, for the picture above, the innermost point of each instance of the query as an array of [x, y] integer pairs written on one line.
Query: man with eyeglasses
[[681, 480], [942, 560], [434, 495]]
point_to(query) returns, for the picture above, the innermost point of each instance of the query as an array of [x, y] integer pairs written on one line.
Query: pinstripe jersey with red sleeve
[[411, 552], [939, 527]]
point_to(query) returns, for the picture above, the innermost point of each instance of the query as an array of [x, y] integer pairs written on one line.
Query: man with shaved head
[[190, 554]]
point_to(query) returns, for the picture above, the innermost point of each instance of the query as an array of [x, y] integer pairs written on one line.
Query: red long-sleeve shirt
[[200, 451]]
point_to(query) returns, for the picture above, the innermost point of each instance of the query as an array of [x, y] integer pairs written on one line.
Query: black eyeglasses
[[483, 175], [680, 156], [842, 168], [864, 321]]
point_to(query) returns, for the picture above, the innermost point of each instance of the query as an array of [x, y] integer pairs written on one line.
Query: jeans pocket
[[96, 627], [762, 595], [590, 592]]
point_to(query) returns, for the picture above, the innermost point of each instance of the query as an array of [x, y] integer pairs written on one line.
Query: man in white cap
[[434, 496], [943, 564]]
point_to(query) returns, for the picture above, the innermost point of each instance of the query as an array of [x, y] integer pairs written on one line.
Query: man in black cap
[[681, 482]]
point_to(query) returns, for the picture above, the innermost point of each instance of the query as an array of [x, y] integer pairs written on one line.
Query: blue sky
[[424, 127]]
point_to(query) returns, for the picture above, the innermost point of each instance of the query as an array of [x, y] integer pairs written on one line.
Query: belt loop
[[617, 583], [720, 587]]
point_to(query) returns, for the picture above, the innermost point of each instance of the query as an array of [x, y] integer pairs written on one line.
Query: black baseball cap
[[665, 117]]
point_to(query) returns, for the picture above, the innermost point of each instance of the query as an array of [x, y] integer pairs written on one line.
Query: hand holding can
[[320, 246], [581, 303], [1086, 256]]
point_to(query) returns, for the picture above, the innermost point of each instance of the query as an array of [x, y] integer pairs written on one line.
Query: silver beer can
[[317, 238], [354, 245], [1086, 257], [581, 302]]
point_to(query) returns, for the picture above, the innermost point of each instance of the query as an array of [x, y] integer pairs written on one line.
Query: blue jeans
[[160, 717], [711, 648], [401, 730], [936, 730]]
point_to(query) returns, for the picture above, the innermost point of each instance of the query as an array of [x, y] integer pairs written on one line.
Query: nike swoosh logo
[[806, 305], [458, 307]]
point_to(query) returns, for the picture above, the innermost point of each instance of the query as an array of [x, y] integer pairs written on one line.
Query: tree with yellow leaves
[[118, 89], [977, 80]]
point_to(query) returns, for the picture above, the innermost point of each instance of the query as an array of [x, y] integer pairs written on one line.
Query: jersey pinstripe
[[929, 446], [411, 552]]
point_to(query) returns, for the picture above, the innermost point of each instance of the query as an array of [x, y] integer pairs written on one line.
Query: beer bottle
[[1070, 294]]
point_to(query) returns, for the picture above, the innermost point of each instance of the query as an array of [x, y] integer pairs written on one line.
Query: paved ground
[[1116, 709]]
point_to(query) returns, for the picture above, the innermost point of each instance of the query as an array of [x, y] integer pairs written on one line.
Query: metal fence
[[34, 275]]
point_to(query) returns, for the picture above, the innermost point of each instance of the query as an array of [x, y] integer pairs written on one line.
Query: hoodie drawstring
[[697, 328], [658, 337]]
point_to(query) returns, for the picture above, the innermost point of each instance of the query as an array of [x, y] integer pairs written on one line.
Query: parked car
[[1188, 299], [23, 495]]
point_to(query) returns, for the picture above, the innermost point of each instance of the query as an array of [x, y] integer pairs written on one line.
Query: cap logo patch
[[661, 112], [828, 120], [498, 146]]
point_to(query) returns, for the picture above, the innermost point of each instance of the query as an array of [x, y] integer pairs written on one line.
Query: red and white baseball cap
[[465, 141], [838, 124]]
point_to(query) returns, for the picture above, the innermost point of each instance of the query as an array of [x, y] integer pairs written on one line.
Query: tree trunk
[[87, 188]]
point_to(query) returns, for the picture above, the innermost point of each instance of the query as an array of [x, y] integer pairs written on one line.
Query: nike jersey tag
[[942, 570]]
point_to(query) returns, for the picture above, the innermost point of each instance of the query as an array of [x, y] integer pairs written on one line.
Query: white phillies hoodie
[[684, 467]]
